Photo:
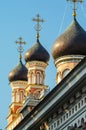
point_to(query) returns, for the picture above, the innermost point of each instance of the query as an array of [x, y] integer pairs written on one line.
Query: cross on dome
[[20, 48], [37, 26], [74, 7]]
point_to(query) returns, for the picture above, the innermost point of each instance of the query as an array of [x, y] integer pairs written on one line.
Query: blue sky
[[15, 21]]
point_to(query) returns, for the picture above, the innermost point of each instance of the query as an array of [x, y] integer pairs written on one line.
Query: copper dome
[[18, 73], [37, 53], [71, 42]]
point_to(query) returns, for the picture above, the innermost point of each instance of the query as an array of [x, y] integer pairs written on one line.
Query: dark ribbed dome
[[18, 73], [37, 53], [71, 42]]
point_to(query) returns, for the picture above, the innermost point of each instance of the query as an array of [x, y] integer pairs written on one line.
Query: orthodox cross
[[37, 27], [20, 48], [74, 8]]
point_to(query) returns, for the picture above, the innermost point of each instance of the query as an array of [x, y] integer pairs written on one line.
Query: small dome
[[18, 73], [71, 42], [37, 53]]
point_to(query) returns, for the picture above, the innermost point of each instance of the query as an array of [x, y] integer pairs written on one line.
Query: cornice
[[53, 100]]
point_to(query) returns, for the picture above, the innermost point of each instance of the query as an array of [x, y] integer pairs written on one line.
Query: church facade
[[33, 106]]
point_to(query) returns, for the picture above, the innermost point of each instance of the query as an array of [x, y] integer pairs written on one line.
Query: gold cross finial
[[74, 8], [20, 48], [37, 26]]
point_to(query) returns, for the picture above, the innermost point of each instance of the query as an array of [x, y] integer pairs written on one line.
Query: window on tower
[[65, 72]]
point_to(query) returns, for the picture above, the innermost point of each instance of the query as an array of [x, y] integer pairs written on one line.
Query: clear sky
[[15, 21]]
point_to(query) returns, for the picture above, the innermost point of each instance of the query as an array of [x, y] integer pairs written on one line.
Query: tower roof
[[71, 42], [37, 53], [18, 73]]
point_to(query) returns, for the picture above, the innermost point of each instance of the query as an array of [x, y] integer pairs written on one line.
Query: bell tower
[[18, 82], [36, 62], [69, 48]]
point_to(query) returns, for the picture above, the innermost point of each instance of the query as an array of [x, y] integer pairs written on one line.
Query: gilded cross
[[37, 27], [20, 48], [74, 8]]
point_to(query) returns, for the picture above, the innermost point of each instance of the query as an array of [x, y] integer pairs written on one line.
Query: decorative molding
[[66, 119], [18, 84], [36, 65], [68, 58]]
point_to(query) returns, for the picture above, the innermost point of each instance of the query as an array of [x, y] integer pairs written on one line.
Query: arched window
[[18, 96], [75, 125], [33, 78], [38, 78], [82, 121], [21, 95], [41, 79], [65, 72]]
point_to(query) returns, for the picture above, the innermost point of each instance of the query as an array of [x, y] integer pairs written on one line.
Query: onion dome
[[71, 42], [18, 73], [37, 53]]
